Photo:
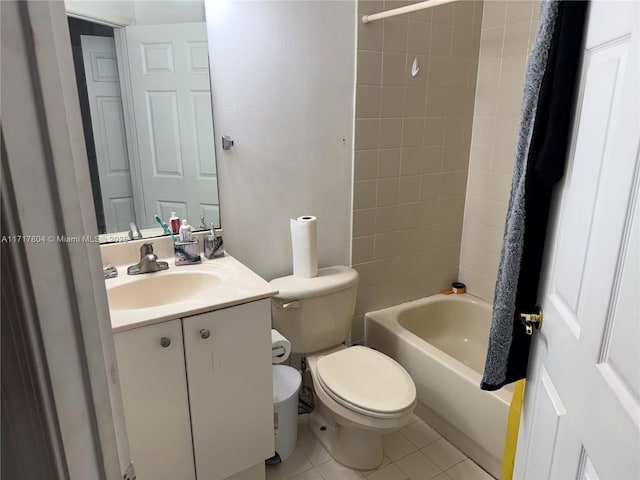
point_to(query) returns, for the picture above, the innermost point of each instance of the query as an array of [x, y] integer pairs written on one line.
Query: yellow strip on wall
[[511, 436]]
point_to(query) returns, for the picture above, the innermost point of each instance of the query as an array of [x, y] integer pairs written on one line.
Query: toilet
[[361, 394]]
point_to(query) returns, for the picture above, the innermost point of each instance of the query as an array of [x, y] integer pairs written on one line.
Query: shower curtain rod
[[408, 9]]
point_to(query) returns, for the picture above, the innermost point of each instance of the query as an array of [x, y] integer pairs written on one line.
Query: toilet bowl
[[361, 394]]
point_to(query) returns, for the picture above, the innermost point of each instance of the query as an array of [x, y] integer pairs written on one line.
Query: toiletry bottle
[[218, 246], [185, 231], [174, 221], [209, 243]]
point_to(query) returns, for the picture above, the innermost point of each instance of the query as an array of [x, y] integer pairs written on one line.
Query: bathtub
[[442, 342]]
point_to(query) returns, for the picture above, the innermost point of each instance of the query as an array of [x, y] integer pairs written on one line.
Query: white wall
[[283, 89], [137, 12], [108, 11]]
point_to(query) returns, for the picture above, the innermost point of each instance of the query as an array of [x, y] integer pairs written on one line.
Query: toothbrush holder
[[186, 253]]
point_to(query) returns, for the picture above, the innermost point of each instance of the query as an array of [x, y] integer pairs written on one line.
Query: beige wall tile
[[412, 132], [440, 40], [418, 37], [520, 11], [366, 136], [434, 131], [364, 222], [438, 74], [386, 219], [512, 70], [395, 34], [495, 13], [442, 14], [362, 249], [391, 101], [506, 131], [389, 162], [486, 102], [367, 101], [436, 101], [411, 161], [415, 100], [408, 216], [516, 39], [480, 158], [387, 192], [370, 36], [491, 42], [393, 68], [463, 13], [369, 68], [432, 159], [390, 132], [409, 189], [503, 159], [365, 165], [364, 194]]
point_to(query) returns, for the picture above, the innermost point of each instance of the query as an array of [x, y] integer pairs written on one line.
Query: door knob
[[529, 320], [204, 333], [165, 342]]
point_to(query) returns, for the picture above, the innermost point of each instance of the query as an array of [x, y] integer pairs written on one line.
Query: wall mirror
[[142, 69]]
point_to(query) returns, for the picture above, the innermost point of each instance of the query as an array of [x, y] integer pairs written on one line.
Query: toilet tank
[[315, 313]]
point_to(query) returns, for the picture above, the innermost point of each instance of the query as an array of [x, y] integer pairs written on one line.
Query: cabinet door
[[228, 355], [156, 404]]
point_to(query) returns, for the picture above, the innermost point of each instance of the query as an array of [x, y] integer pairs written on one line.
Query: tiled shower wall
[[507, 32], [412, 143]]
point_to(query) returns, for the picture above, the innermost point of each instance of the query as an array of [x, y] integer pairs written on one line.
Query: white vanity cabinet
[[156, 402], [212, 384], [228, 358]]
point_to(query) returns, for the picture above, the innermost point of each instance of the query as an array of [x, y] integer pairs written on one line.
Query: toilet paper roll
[[304, 244], [278, 344]]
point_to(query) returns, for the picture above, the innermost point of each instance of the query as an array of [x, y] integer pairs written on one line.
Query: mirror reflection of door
[[171, 97], [110, 140], [148, 122]]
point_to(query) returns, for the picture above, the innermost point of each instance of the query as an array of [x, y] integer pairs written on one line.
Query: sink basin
[[155, 289]]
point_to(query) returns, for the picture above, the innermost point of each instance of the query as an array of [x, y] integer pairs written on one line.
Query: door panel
[[581, 414]]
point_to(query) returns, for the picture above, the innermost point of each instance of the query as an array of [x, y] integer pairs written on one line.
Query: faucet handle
[[134, 231], [147, 249]]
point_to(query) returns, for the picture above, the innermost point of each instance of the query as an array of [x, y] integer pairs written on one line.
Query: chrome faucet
[[134, 231], [148, 261]]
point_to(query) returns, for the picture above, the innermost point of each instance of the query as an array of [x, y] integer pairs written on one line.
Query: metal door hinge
[[529, 320]]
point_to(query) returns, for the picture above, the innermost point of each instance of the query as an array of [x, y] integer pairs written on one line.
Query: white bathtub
[[442, 342]]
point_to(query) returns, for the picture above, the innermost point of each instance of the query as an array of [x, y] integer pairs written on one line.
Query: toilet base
[[353, 447]]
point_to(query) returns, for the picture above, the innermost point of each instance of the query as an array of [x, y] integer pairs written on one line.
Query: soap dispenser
[[213, 245]]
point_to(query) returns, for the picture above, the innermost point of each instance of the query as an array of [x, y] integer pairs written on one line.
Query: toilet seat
[[367, 382]]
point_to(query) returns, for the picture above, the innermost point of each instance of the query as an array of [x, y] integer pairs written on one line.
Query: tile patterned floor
[[416, 452]]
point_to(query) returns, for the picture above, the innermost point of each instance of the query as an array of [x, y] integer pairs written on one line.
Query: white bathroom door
[[107, 121], [169, 71], [581, 413]]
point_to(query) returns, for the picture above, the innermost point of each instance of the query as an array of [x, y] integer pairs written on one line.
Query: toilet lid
[[367, 379]]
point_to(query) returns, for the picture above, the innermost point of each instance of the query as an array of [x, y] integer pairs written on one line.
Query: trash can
[[286, 384]]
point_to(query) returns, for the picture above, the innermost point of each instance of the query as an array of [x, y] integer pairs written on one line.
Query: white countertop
[[237, 285]]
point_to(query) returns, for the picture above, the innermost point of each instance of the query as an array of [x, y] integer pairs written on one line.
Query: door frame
[[45, 168]]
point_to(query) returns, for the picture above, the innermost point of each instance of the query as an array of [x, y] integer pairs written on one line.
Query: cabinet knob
[[165, 342], [204, 333]]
